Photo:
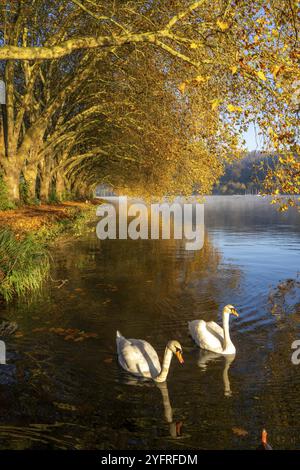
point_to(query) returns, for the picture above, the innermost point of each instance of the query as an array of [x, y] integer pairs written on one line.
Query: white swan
[[211, 336], [140, 359]]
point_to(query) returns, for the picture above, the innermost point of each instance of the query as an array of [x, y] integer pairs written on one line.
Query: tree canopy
[[150, 97]]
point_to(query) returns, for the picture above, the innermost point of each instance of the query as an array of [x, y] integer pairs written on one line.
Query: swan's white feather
[[137, 357], [215, 328], [204, 337]]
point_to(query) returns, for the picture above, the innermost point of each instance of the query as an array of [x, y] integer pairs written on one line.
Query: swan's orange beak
[[179, 357], [234, 312], [264, 436]]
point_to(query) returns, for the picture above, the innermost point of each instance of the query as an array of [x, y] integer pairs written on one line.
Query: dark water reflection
[[56, 393]]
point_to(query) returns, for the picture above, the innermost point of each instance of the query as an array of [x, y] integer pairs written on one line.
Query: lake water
[[58, 391]]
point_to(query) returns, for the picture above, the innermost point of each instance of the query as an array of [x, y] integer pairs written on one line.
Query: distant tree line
[[246, 175]]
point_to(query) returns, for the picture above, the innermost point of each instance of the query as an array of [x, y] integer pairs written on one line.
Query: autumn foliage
[[152, 98]]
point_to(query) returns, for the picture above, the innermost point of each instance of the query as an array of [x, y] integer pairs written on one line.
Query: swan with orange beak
[[139, 358], [211, 336]]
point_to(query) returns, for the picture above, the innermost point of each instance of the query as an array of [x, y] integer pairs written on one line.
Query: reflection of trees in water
[[276, 379], [146, 273], [280, 390]]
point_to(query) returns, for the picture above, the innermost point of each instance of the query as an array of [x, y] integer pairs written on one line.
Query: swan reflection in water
[[175, 427], [205, 357]]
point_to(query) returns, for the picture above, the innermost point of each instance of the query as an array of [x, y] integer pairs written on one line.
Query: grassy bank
[[25, 237]]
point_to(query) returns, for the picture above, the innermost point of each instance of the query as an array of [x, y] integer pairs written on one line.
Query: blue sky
[[253, 141]]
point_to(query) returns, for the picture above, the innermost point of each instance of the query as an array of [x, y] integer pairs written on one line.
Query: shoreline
[[26, 234]]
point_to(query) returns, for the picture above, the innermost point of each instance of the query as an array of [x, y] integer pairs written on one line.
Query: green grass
[[75, 225], [24, 264]]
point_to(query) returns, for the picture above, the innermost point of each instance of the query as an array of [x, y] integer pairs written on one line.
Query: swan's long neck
[[227, 340], [165, 366]]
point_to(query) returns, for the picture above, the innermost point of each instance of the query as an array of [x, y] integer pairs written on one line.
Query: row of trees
[[150, 97]]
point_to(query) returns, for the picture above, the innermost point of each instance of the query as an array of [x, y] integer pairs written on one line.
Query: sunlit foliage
[[152, 98]]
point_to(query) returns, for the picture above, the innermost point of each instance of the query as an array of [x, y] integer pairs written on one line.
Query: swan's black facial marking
[[178, 354], [234, 312]]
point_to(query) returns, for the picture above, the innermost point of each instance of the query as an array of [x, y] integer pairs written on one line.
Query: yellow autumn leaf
[[231, 108], [222, 25], [272, 133], [200, 79], [234, 69], [182, 87], [275, 70], [261, 75], [193, 45], [215, 103]]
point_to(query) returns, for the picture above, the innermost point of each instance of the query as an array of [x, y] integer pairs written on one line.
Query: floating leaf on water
[[70, 334], [239, 431], [60, 330], [113, 288], [108, 360], [19, 334], [38, 330], [65, 406], [91, 335], [71, 331]]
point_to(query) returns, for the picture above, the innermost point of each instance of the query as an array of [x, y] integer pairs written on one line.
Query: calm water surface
[[60, 393]]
